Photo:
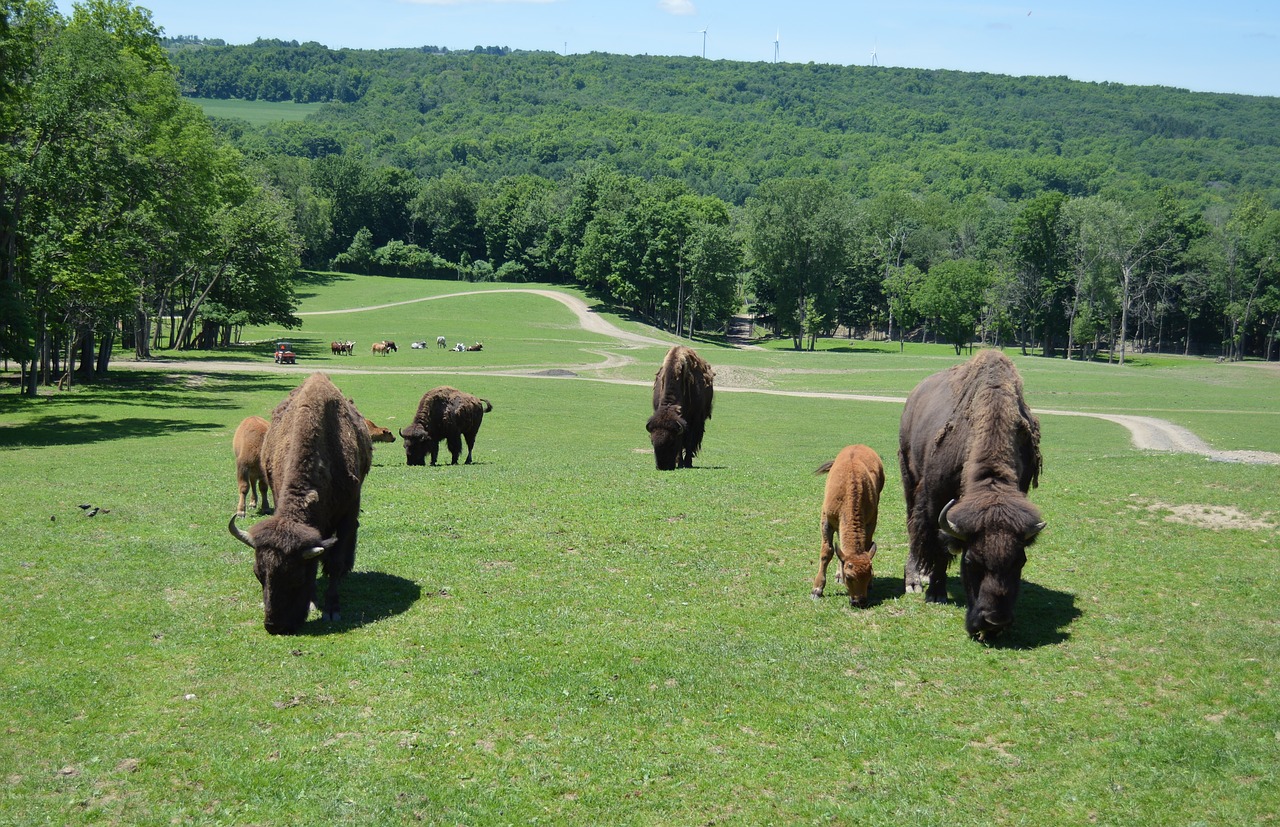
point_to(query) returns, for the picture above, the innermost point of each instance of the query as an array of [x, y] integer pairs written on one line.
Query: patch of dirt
[[1212, 517]]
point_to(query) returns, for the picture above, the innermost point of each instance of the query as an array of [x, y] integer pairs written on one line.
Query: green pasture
[[561, 634], [255, 112]]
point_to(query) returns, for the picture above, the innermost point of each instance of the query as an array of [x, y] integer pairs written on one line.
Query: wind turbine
[[777, 39], [703, 32], [873, 53]]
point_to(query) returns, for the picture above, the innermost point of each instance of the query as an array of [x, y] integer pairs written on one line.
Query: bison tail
[[488, 406], [825, 467]]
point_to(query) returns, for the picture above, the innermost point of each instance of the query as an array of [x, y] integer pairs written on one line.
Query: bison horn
[[313, 553], [239, 533], [946, 526], [1033, 531]]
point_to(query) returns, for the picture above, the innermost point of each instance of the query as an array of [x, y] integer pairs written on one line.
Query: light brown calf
[[247, 445], [377, 433], [855, 479]]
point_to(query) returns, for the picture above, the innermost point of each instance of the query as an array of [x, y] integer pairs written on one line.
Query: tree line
[[123, 214]]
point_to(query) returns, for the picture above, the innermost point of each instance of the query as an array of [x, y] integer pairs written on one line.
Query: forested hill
[[725, 127]]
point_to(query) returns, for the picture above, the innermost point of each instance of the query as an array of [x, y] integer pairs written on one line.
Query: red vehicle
[[284, 354]]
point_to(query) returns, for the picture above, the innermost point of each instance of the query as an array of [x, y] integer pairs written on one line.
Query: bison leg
[[927, 558], [828, 550], [471, 442], [338, 561], [455, 448], [244, 492], [433, 447], [264, 505]]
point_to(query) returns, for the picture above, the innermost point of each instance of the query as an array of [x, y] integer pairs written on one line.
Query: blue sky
[[1215, 46]]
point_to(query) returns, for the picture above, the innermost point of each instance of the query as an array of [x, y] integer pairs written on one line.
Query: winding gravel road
[[1147, 433]]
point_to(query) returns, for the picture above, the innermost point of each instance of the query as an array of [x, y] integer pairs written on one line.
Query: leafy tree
[[952, 295], [797, 251]]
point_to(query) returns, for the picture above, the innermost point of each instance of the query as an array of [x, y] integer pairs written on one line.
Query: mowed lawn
[[561, 634]]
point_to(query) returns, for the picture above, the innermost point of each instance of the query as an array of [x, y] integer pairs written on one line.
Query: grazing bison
[[682, 395], [315, 456], [969, 449], [247, 445], [447, 414], [850, 505]]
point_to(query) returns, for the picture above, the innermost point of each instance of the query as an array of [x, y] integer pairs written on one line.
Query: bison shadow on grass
[[368, 597]]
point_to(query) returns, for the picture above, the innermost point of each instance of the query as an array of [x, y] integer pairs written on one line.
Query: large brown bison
[[682, 396], [247, 446], [447, 414], [969, 449], [315, 456], [850, 506]]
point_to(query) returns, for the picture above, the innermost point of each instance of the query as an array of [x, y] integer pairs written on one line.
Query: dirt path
[[1147, 433]]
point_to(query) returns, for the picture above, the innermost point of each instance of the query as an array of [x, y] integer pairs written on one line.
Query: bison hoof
[[914, 588], [239, 515], [817, 593], [857, 603], [331, 616]]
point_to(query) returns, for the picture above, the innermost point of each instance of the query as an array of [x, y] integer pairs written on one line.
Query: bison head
[[992, 533], [285, 559], [666, 431], [855, 570], [416, 444]]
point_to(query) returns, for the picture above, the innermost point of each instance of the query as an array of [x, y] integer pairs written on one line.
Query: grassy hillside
[[256, 112], [561, 633]]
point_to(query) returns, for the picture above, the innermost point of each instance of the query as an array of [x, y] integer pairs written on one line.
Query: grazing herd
[[968, 452]]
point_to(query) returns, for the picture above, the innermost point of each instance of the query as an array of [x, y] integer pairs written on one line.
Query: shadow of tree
[[49, 431], [367, 597]]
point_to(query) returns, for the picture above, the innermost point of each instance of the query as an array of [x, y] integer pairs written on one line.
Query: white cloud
[[677, 6]]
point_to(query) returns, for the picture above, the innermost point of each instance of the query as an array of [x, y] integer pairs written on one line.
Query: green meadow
[[561, 634], [255, 112]]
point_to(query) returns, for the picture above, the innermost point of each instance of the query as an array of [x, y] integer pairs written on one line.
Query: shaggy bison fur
[[446, 414], [969, 450], [315, 456], [850, 506], [682, 397], [247, 445]]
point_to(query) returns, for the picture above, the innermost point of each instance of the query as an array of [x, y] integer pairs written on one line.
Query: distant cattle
[[850, 505], [246, 443], [442, 342], [383, 348], [447, 414], [969, 450], [476, 346], [418, 345], [315, 456], [682, 397], [459, 347], [342, 348]]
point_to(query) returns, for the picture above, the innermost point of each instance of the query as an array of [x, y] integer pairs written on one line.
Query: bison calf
[[446, 414], [855, 479], [682, 397], [247, 445]]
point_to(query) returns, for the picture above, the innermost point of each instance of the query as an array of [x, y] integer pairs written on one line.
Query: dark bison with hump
[[969, 450], [682, 395], [446, 414], [316, 455]]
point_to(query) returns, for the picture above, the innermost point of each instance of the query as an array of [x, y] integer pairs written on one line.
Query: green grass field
[[255, 112], [561, 634]]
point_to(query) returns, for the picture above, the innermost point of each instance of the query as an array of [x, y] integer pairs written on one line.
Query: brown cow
[[384, 348], [316, 455], [850, 505], [682, 397], [247, 445], [969, 449], [444, 413]]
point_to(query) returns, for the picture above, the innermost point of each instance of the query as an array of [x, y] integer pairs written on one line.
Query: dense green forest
[[1071, 218]]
